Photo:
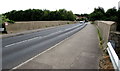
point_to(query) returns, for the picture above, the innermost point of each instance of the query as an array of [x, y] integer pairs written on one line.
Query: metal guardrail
[[113, 56]]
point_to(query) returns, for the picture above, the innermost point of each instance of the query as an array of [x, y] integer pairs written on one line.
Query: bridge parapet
[[111, 37], [105, 28]]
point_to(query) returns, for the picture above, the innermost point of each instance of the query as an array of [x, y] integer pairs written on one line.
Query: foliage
[[97, 14], [4, 19], [40, 15], [118, 20], [85, 15], [82, 17], [0, 20], [111, 14], [11, 21]]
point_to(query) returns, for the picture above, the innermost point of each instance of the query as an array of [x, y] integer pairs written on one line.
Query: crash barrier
[[113, 56], [106, 28]]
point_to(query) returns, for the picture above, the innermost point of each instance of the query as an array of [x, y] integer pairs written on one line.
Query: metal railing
[[113, 56]]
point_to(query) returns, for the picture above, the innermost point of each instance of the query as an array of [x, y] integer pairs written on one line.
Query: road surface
[[20, 48], [79, 52]]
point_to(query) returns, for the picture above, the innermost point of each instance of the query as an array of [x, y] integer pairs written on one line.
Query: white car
[[82, 21]]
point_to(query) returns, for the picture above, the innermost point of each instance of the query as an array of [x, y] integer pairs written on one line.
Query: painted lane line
[[40, 36], [23, 41]]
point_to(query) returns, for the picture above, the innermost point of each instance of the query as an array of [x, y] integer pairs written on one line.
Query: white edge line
[[41, 53]]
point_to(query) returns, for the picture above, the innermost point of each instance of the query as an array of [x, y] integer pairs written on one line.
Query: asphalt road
[[20, 48]]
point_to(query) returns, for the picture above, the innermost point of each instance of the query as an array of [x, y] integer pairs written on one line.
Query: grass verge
[[100, 37]]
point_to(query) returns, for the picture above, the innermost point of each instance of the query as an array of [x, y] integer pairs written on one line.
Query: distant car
[[82, 21]]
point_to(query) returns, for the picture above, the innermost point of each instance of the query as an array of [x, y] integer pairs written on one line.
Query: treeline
[[40, 15], [99, 13], [111, 14]]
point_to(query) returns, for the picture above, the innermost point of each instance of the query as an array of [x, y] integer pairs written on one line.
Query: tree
[[40, 15], [71, 16], [111, 14], [46, 14], [118, 20], [97, 14], [4, 19]]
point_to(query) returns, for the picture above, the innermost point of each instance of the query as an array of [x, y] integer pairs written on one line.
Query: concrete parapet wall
[[32, 25], [105, 27]]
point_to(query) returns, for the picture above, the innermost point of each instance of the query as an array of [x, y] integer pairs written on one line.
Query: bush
[[4, 19], [11, 21], [68, 23]]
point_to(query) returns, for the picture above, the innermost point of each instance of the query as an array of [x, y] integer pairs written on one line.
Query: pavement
[[79, 51]]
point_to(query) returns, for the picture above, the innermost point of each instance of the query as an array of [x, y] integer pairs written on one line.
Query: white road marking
[[38, 37], [41, 53], [31, 39], [22, 41], [73, 27]]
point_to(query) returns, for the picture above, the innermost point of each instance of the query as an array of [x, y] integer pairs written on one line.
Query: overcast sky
[[76, 6]]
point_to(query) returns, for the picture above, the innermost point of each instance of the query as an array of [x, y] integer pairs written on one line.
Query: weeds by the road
[[100, 38], [104, 62]]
